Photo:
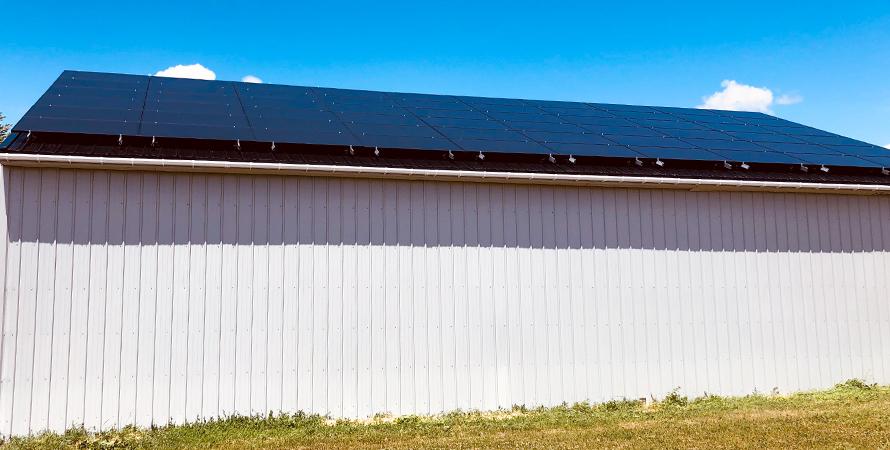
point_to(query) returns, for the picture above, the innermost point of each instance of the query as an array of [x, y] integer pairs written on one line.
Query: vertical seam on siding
[[328, 287], [89, 300], [188, 296], [268, 291], [17, 302], [39, 211], [157, 271], [71, 295], [222, 282], [205, 217], [252, 226], [237, 278], [123, 248], [283, 298], [170, 374], [52, 327], [440, 297], [343, 331], [104, 307], [296, 274], [582, 300], [4, 174], [141, 194], [219, 346], [518, 256]]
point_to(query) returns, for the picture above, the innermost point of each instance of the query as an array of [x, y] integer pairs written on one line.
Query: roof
[[83, 112]]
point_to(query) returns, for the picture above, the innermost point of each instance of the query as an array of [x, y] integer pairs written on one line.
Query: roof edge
[[327, 170]]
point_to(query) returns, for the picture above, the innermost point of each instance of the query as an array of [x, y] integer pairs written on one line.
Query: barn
[[181, 250]]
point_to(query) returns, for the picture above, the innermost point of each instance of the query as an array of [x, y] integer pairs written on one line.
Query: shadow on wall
[[142, 208]]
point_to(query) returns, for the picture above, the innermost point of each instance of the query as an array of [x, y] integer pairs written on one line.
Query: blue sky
[[826, 64]]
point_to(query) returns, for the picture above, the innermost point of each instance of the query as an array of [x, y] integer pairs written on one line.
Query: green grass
[[852, 415]]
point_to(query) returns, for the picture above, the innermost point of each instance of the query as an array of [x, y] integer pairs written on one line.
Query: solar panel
[[621, 108], [685, 154], [596, 121], [76, 126], [553, 127], [694, 134], [578, 113], [837, 160], [412, 142], [725, 144], [447, 113], [737, 127], [522, 116], [671, 125], [883, 161], [684, 111], [755, 157], [832, 140], [629, 130], [594, 150], [870, 150], [486, 145], [112, 104], [568, 138], [483, 133], [764, 137], [649, 141], [799, 148], [93, 104], [381, 119], [646, 115], [460, 122]]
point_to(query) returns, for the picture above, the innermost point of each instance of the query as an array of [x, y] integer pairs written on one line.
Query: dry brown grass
[[852, 415]]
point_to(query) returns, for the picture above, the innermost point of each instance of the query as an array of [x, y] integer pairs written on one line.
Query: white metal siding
[[134, 297]]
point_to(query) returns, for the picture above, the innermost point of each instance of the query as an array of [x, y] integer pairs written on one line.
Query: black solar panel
[[133, 105]]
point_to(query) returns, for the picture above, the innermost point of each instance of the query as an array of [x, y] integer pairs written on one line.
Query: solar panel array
[[132, 105]]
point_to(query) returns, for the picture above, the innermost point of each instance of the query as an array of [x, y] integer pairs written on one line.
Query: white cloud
[[195, 71], [887, 146], [736, 96], [251, 79], [739, 97], [789, 99]]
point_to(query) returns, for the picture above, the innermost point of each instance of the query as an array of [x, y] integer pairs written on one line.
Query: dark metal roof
[[240, 121]]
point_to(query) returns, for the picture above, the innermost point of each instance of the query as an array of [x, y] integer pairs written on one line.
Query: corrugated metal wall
[[145, 298]]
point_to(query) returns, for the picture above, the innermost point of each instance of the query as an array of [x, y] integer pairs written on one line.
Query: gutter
[[205, 166]]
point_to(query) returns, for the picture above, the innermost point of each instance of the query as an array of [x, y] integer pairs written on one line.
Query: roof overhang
[[447, 175]]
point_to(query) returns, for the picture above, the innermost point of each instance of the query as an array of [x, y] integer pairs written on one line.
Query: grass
[[851, 415]]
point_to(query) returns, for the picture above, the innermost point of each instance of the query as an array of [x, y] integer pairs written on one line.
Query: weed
[[675, 399], [856, 384]]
